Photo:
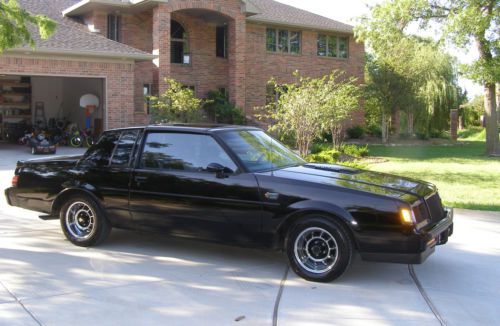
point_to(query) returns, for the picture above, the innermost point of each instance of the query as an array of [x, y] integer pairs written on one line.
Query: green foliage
[[422, 136], [404, 135], [329, 156], [222, 111], [177, 104], [355, 132], [463, 23], [15, 25], [308, 107], [374, 130], [355, 150], [472, 134]]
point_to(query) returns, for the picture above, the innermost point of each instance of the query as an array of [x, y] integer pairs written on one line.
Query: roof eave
[[97, 54], [87, 5]]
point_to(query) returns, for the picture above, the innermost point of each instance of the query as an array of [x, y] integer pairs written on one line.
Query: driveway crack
[[278, 297], [426, 297], [21, 304]]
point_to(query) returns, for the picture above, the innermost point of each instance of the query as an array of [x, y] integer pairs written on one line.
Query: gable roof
[[74, 38], [281, 14]]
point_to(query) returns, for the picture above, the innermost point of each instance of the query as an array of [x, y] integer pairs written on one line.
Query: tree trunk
[[385, 128], [409, 120], [396, 120], [490, 115]]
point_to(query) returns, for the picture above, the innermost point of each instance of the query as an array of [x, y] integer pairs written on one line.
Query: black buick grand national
[[235, 185]]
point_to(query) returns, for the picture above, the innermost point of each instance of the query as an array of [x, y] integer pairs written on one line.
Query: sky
[[346, 12]]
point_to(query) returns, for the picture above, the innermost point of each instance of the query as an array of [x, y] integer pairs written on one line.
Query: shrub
[[221, 111], [355, 132], [374, 130], [354, 150], [329, 156], [404, 135], [422, 136]]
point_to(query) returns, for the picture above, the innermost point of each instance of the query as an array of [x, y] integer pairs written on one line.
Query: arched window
[[179, 45]]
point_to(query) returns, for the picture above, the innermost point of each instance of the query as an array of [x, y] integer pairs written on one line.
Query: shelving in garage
[[15, 101]]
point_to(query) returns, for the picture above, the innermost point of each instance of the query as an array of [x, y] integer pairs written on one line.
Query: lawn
[[465, 177]]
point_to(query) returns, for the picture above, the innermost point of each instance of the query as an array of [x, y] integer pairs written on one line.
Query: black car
[[236, 185]]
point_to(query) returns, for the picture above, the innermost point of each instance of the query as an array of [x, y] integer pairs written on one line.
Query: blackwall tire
[[319, 248], [83, 221]]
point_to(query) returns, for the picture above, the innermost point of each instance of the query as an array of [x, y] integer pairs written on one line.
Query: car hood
[[362, 180]]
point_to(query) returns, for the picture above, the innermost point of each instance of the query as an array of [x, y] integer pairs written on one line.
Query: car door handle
[[271, 195], [140, 179]]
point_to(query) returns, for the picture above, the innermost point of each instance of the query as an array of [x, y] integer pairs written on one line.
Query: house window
[[221, 41], [333, 46], [147, 93], [285, 41], [114, 24], [179, 45], [223, 91]]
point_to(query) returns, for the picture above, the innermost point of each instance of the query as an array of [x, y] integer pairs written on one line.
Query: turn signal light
[[15, 179], [406, 216]]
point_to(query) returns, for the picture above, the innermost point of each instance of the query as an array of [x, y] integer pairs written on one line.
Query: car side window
[[121, 155], [184, 152], [100, 153]]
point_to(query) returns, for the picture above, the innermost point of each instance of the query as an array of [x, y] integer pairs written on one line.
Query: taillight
[[15, 179]]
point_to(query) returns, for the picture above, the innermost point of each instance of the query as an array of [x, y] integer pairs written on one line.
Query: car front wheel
[[83, 221], [319, 249]]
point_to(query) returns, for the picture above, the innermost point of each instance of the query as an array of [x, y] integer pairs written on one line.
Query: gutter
[[100, 54]]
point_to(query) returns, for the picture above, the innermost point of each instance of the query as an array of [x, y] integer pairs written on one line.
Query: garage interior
[[42, 103]]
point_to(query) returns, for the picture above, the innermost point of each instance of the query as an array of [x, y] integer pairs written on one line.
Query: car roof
[[191, 127]]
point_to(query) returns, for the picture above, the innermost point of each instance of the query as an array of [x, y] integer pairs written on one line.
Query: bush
[[329, 156], [319, 147], [422, 136], [374, 130], [355, 132], [404, 135], [221, 111], [354, 150], [439, 134]]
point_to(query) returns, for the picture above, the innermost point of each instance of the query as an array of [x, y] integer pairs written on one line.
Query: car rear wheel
[[83, 221], [319, 249]]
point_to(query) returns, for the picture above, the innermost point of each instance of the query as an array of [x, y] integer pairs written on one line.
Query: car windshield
[[259, 152]]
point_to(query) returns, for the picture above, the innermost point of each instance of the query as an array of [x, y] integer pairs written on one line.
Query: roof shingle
[[73, 37], [280, 13]]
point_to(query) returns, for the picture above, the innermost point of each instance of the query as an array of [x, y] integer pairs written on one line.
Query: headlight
[[407, 216]]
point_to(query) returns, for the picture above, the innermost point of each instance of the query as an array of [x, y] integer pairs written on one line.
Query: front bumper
[[430, 238]]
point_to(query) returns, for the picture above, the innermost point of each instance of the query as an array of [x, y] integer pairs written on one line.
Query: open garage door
[[49, 104]]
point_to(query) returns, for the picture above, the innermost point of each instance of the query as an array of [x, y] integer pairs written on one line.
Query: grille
[[435, 207], [420, 212]]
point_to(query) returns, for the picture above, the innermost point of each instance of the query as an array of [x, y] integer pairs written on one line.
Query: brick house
[[121, 49]]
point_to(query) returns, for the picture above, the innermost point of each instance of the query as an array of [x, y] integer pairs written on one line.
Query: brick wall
[[119, 80], [262, 65]]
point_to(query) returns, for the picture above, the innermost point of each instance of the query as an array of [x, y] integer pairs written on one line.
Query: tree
[[306, 108], [15, 23], [339, 99], [462, 22], [177, 104]]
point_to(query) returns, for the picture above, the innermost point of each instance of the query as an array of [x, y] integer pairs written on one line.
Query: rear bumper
[[10, 196], [437, 235], [27, 202]]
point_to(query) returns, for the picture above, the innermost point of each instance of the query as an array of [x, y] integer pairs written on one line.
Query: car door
[[105, 170], [172, 188]]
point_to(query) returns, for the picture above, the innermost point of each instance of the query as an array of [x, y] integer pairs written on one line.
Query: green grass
[[465, 177]]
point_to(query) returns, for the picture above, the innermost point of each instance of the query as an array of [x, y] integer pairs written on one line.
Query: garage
[[52, 105]]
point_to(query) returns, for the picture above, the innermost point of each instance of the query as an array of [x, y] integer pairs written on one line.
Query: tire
[[319, 248], [83, 221], [75, 141]]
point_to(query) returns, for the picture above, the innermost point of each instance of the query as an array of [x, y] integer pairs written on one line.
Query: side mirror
[[216, 168]]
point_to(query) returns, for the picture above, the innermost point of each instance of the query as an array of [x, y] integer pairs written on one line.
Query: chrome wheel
[[80, 220], [316, 250]]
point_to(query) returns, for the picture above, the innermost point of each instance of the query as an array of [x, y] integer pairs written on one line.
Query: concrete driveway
[[145, 279]]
